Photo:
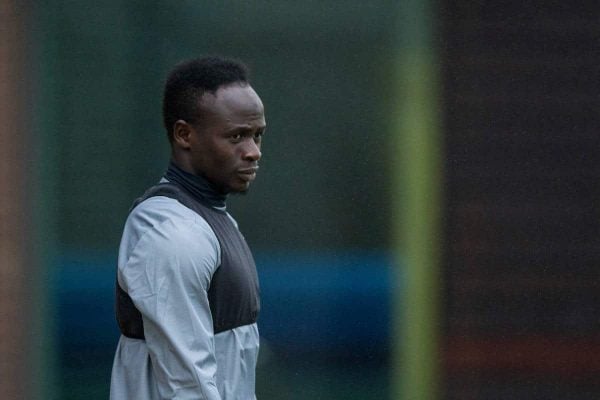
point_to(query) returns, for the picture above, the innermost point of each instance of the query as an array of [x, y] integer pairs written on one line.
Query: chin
[[239, 190]]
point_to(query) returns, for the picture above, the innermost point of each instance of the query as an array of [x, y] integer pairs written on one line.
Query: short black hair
[[189, 80]]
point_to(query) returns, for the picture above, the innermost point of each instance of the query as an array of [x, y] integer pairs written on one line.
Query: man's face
[[225, 145]]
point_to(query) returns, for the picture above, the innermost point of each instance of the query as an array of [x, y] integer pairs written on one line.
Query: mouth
[[247, 174]]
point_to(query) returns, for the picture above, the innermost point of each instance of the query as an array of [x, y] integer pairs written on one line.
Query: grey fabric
[[233, 295], [167, 258]]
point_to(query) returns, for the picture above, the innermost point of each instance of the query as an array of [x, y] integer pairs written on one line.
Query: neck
[[198, 186]]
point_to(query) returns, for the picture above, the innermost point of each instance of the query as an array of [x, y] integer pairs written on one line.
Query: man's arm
[[167, 275]]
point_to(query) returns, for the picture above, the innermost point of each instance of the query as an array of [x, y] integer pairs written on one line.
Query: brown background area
[[13, 262]]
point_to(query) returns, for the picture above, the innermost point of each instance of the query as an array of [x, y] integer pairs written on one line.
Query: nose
[[251, 151]]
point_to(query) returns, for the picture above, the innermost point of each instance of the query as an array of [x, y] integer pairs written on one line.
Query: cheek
[[226, 157]]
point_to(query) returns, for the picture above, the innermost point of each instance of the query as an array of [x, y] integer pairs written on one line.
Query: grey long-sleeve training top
[[167, 257]]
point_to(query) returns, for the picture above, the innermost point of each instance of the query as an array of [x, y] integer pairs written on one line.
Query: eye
[[258, 135], [236, 137]]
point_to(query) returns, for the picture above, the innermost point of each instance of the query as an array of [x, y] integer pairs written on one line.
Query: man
[[187, 289]]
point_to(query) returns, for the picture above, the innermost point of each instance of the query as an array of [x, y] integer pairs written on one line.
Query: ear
[[182, 132]]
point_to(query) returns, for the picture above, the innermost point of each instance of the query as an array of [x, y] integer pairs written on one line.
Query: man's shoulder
[[161, 232], [167, 215], [156, 210]]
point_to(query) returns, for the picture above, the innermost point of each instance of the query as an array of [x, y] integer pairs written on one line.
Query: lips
[[247, 174]]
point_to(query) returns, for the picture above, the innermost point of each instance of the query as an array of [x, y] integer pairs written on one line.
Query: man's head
[[215, 121]]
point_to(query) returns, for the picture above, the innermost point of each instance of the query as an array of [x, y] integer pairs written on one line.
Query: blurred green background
[[317, 219]]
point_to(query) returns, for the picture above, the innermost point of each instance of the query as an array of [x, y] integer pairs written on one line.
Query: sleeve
[[167, 275]]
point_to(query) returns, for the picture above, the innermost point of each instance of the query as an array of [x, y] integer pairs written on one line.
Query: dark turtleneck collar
[[196, 185]]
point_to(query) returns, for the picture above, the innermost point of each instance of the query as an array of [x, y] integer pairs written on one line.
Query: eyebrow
[[261, 128]]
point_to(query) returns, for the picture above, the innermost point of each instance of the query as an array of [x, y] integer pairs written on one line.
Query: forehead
[[234, 103]]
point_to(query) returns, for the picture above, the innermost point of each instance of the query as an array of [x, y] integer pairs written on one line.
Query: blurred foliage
[[323, 72]]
